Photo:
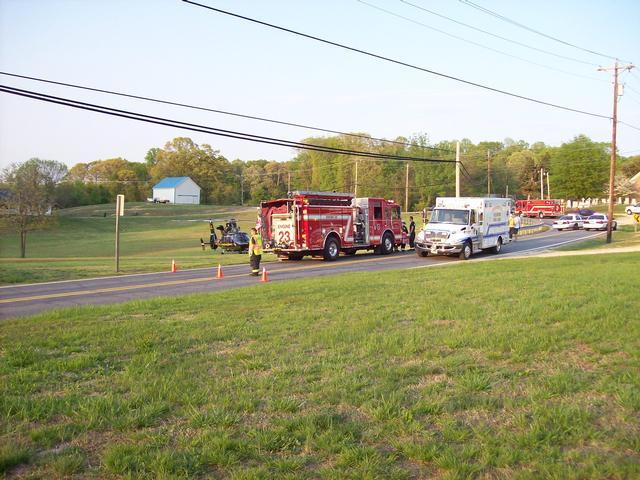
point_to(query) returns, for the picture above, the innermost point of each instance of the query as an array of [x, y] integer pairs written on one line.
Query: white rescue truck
[[465, 225]]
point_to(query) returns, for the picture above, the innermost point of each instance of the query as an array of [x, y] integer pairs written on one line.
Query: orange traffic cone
[[219, 272], [173, 266], [264, 275]]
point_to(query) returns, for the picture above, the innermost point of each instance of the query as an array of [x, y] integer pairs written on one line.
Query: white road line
[[128, 275], [512, 254]]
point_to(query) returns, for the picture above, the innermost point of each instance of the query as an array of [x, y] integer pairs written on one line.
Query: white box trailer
[[465, 225]]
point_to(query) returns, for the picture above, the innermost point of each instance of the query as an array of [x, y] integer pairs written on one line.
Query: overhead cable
[[397, 62], [206, 129], [223, 112], [466, 40], [515, 42], [629, 125], [537, 32]]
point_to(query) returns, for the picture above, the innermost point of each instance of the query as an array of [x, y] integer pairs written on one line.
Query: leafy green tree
[[29, 203], [580, 168], [630, 166], [151, 158], [210, 170]]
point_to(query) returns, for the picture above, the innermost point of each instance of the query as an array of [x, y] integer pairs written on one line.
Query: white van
[[465, 225]]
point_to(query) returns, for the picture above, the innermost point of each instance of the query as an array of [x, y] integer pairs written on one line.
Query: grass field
[[81, 242], [520, 369]]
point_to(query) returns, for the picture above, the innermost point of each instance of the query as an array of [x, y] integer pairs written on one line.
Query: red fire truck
[[540, 208], [327, 223]]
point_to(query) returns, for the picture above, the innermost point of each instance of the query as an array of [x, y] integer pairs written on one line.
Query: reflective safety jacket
[[255, 247]]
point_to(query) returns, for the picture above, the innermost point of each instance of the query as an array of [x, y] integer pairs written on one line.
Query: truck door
[[396, 223], [476, 230], [376, 221]]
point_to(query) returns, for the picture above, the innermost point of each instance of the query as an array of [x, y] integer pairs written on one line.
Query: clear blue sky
[[175, 51]]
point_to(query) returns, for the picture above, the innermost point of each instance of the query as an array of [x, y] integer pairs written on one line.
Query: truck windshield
[[456, 217]]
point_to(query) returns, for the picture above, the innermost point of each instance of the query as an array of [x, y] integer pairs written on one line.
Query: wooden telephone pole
[[406, 190], [612, 166], [488, 172]]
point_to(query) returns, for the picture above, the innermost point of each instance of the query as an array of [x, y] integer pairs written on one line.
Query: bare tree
[[622, 186], [29, 197]]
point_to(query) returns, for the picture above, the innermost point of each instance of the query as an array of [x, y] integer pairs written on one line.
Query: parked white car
[[599, 222], [566, 222], [633, 209]]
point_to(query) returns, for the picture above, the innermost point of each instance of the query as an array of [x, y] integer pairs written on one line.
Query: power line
[[209, 130], [632, 89], [502, 17], [206, 109], [476, 43], [503, 38], [629, 125], [397, 62]]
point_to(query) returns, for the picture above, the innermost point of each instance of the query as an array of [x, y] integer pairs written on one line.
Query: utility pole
[[548, 188], [612, 167], [406, 190], [488, 172], [355, 193], [541, 183], [119, 213], [457, 169], [288, 181], [241, 190]]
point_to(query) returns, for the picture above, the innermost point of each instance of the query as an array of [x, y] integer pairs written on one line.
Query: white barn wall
[[164, 194], [188, 192]]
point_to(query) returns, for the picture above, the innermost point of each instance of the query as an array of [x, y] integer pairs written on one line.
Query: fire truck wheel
[[331, 249], [465, 254], [387, 244], [540, 214]]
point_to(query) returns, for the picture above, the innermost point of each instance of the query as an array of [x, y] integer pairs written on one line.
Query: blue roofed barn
[[180, 190]]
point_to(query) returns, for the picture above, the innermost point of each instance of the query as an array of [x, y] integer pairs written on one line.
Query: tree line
[[576, 169]]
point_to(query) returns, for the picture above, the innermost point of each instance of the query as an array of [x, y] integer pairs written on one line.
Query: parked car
[[565, 222], [599, 222], [633, 209], [586, 212]]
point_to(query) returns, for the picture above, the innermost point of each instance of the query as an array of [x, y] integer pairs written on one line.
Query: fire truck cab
[[327, 223]]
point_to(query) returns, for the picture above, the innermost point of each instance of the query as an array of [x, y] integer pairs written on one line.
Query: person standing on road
[[512, 225], [516, 226], [412, 232], [255, 252]]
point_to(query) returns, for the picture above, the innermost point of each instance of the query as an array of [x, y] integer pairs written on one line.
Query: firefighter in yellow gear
[[255, 252], [512, 226]]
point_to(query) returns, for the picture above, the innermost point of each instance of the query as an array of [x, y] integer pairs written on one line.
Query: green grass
[[514, 369], [81, 242]]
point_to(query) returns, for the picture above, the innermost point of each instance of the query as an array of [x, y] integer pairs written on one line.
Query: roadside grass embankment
[[515, 369], [81, 242]]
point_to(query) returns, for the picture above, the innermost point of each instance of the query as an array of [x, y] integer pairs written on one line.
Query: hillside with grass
[[80, 242], [521, 369]]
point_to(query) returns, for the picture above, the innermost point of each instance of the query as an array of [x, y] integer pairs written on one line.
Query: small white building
[[180, 190]]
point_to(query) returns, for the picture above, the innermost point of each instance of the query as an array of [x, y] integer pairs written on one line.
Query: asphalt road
[[21, 300]]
